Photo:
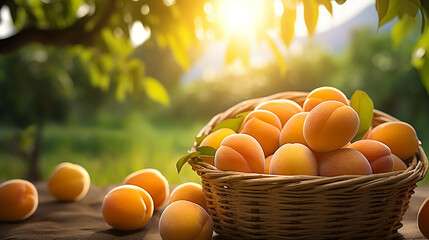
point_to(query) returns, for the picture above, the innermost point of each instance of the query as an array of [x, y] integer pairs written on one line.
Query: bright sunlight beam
[[239, 16]]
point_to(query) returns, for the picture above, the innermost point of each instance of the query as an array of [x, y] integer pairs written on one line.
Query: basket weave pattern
[[260, 206]]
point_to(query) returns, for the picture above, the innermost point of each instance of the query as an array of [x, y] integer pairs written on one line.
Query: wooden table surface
[[83, 220]]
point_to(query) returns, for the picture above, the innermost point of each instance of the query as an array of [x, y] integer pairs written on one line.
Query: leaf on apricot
[[199, 139], [364, 107], [204, 151], [232, 123]]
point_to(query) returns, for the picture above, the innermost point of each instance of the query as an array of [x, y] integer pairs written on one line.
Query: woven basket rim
[[415, 172]]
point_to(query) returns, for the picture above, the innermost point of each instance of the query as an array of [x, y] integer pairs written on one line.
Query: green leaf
[[279, 58], [402, 28], [424, 75], [422, 30], [178, 50], [287, 25], [340, 2], [327, 4], [238, 48], [381, 6], [393, 10], [155, 91], [184, 159], [311, 14], [411, 7], [232, 123], [199, 139], [206, 151], [364, 107]]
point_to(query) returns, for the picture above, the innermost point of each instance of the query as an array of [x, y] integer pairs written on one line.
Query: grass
[[111, 153]]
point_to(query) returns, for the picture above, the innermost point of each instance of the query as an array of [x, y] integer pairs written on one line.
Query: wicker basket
[[260, 206]]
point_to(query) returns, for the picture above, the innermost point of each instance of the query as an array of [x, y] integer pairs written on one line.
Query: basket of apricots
[[316, 165]]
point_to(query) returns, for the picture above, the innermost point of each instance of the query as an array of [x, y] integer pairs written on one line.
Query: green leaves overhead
[[402, 28], [327, 4], [232, 123], [155, 91], [204, 151], [340, 2], [287, 25], [411, 6], [311, 14], [381, 6], [364, 107]]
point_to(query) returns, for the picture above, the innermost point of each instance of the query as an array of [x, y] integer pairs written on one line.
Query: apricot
[[190, 191], [127, 207], [18, 200], [183, 220], [292, 131], [378, 154], [398, 164], [283, 108], [330, 126], [265, 127], [240, 152], [69, 182], [322, 94], [267, 164], [344, 161], [294, 159], [400, 137], [423, 218], [213, 140], [153, 182]]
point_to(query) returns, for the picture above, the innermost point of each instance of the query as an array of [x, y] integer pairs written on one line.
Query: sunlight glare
[[239, 16], [139, 34]]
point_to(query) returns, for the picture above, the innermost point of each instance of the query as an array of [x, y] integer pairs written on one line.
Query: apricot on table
[[344, 161], [398, 164], [213, 140], [183, 220], [18, 200], [69, 182], [292, 131], [400, 137], [153, 182], [284, 109], [240, 152], [294, 159], [265, 127], [127, 207], [189, 191], [322, 94], [378, 154], [330, 126], [423, 218]]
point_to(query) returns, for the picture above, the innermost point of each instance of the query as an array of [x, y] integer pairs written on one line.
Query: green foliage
[[364, 107], [204, 151], [232, 123]]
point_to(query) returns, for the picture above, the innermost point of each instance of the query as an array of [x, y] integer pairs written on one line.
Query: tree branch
[[75, 34]]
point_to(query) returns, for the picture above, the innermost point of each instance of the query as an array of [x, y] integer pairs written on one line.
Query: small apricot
[[265, 127], [127, 207], [400, 137], [240, 152], [190, 191], [322, 94], [292, 131], [294, 159], [213, 140], [423, 218], [283, 108], [344, 161], [69, 182], [267, 164], [18, 200], [378, 154], [330, 126], [153, 182], [184, 220], [398, 164]]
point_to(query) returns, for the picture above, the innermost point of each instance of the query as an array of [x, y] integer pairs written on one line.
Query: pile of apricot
[[284, 138]]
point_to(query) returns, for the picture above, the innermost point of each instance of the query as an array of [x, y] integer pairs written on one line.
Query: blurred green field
[[110, 153]]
